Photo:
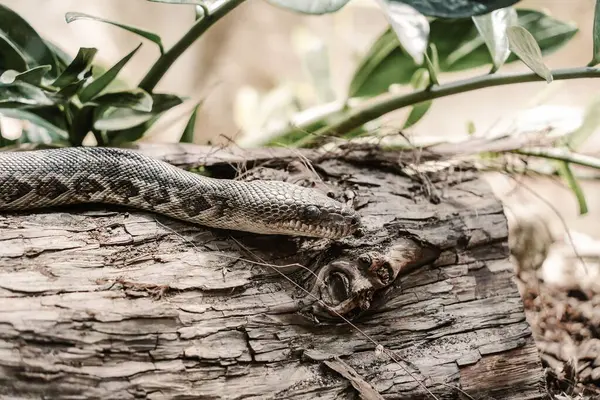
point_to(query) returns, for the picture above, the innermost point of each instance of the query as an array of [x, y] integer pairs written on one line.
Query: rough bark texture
[[100, 302]]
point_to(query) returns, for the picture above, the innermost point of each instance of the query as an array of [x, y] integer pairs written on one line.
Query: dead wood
[[104, 302]]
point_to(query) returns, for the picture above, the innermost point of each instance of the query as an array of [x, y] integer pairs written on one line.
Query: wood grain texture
[[100, 302]]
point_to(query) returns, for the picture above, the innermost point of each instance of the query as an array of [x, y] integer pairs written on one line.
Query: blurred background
[[257, 62]]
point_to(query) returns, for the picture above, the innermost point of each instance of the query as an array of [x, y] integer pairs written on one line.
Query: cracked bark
[[100, 302]]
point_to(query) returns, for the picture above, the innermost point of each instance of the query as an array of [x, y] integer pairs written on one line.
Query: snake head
[[291, 209]]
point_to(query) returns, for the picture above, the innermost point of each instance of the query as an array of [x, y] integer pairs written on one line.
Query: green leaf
[[120, 120], [456, 8], [80, 64], [38, 134], [26, 39], [53, 114], [70, 90], [411, 27], [417, 112], [20, 94], [591, 121], [32, 76], [82, 124], [433, 65], [136, 99], [492, 27], [63, 59], [314, 7], [74, 16], [34, 119], [161, 104], [10, 56], [188, 133], [420, 80], [105, 79], [596, 36], [523, 44], [459, 46], [123, 119], [564, 170], [384, 64]]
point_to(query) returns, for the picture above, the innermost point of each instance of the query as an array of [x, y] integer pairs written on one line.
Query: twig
[[389, 102], [561, 155]]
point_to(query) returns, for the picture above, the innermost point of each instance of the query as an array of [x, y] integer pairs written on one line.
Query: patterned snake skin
[[45, 178]]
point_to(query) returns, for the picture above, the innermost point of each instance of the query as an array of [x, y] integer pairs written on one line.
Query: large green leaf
[[456, 8], [188, 133], [136, 99], [385, 63], [124, 118], [10, 56], [80, 64], [315, 7], [459, 47], [26, 39], [74, 16], [67, 92], [20, 94], [35, 119], [63, 59], [53, 114], [32, 76], [523, 44], [411, 27], [126, 125], [82, 123], [492, 28], [100, 83]]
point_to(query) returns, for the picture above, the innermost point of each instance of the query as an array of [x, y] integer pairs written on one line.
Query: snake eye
[[312, 212]]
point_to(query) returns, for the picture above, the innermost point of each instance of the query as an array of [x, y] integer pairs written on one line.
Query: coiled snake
[[46, 178]]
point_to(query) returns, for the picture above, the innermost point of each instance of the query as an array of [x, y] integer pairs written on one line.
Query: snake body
[[45, 178]]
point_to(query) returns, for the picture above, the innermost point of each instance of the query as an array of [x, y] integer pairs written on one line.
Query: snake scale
[[46, 178]]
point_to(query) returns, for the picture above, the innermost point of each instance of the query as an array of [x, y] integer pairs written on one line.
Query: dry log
[[113, 303]]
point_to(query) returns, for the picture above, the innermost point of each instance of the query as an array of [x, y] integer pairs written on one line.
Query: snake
[[37, 179]]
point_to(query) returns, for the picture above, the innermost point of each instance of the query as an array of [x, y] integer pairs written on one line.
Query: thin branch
[[383, 104], [165, 61], [560, 155]]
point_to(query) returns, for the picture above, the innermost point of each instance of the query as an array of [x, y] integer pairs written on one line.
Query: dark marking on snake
[[13, 189], [50, 188], [125, 189], [195, 205], [222, 207], [157, 197], [87, 187]]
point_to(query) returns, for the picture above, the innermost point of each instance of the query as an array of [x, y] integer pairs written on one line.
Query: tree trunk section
[[113, 303]]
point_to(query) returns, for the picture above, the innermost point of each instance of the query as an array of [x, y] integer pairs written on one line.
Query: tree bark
[[104, 302]]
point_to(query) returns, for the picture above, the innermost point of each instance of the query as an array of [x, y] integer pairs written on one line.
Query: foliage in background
[[64, 99]]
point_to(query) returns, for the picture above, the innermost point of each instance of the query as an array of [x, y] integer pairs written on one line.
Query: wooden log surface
[[113, 303]]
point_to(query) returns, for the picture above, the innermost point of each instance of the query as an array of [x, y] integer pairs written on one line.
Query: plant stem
[[386, 103], [165, 61], [561, 155]]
